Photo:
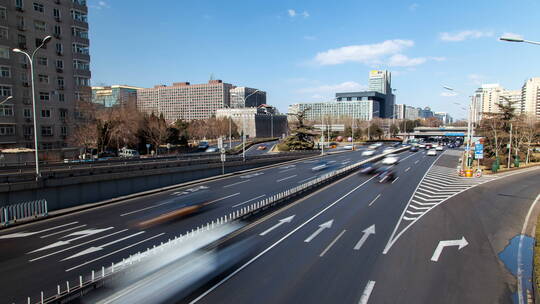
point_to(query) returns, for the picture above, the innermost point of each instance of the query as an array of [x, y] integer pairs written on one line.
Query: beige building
[[61, 70], [263, 121], [530, 97]]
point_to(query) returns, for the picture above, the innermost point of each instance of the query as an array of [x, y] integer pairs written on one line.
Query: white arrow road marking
[[461, 243], [101, 247], [367, 232], [62, 231], [367, 292], [281, 222], [23, 234], [78, 245], [114, 252], [322, 226], [82, 234]]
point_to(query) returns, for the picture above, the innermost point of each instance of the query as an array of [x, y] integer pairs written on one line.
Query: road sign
[[223, 157], [478, 155], [220, 143], [222, 150], [479, 147], [148, 146]]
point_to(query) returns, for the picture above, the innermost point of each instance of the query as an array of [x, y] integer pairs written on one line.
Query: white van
[[128, 153]]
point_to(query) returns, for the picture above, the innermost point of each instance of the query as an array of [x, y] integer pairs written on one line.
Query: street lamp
[[513, 39], [243, 124], [31, 59], [5, 100]]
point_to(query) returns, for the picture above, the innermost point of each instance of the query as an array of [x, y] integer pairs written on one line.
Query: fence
[[13, 213], [87, 283]]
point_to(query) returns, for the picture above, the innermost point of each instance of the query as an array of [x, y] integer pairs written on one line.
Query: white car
[[421, 146], [388, 150], [368, 152], [439, 148], [373, 147], [390, 159], [432, 152], [348, 147]]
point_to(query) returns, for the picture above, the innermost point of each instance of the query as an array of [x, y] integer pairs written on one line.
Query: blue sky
[[300, 51]]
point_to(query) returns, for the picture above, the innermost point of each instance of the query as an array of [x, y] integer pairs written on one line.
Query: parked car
[[128, 153], [432, 152]]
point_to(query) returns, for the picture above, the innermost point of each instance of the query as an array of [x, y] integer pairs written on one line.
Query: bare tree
[[156, 130]]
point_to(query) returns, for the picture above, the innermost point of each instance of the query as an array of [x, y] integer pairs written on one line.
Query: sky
[[306, 51]]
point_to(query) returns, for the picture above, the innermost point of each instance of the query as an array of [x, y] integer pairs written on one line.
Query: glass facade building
[[114, 95]]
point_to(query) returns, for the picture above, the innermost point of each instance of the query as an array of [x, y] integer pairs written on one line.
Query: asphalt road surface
[[64, 248]]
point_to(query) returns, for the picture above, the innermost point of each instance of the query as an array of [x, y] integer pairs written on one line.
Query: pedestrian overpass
[[435, 132]]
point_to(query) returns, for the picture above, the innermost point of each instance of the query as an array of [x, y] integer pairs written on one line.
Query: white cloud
[[448, 94], [400, 60], [100, 5], [438, 58], [512, 35], [305, 14], [463, 35], [291, 12], [413, 7], [366, 53], [347, 86]]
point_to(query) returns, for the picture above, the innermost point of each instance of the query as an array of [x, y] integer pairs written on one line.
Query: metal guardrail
[[97, 279], [13, 213]]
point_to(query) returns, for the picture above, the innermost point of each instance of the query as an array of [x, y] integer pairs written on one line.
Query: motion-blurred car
[[413, 149], [211, 149], [439, 148], [395, 145], [261, 147], [368, 168], [386, 174], [348, 147], [422, 146], [368, 152], [320, 166], [390, 159], [373, 147], [432, 152], [203, 145], [388, 150]]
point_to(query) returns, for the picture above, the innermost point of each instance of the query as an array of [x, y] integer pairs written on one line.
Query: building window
[[60, 82], [57, 30], [82, 81], [79, 32], [5, 71], [24, 76], [27, 113], [63, 130], [22, 41], [61, 97], [20, 22], [59, 64], [4, 32], [80, 48], [79, 16], [79, 2], [43, 78], [6, 110], [4, 52], [44, 96], [42, 61], [40, 25], [28, 130], [19, 3], [59, 48], [3, 12], [45, 113], [46, 131], [5, 90], [38, 7], [56, 13], [63, 113], [81, 65], [7, 130]]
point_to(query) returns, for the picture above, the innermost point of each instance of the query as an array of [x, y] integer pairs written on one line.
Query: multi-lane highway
[[427, 237], [78, 243]]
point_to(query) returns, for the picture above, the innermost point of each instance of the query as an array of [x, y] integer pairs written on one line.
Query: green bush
[[283, 147]]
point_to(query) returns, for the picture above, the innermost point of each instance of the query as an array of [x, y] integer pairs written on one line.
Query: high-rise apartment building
[[511, 96], [185, 101], [380, 81], [111, 96], [444, 117], [530, 97], [316, 111], [399, 111], [252, 97], [61, 69], [411, 113]]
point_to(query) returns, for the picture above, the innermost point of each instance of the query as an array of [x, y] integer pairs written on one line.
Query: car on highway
[[421, 146], [211, 149], [390, 159], [413, 149], [373, 147], [320, 166], [261, 147], [368, 152], [203, 145], [432, 152], [388, 150], [348, 147], [369, 168], [439, 148], [386, 174], [128, 153], [395, 145]]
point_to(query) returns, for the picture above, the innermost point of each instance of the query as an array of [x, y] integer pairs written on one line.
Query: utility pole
[[510, 147]]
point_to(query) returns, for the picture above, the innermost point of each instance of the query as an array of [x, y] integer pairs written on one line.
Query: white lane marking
[[81, 234], [520, 256], [249, 200], [223, 198], [437, 253], [78, 245], [331, 244], [276, 243], [325, 225], [237, 183], [416, 162], [373, 201], [146, 208], [367, 232], [116, 251], [367, 292], [100, 247], [395, 179], [305, 180], [287, 170], [23, 234], [286, 178], [62, 231], [407, 169], [281, 222]]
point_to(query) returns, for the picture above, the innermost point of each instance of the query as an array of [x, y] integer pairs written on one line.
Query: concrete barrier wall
[[73, 191]]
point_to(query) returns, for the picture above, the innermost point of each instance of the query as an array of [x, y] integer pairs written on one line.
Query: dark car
[[368, 168], [396, 145], [385, 174], [414, 149]]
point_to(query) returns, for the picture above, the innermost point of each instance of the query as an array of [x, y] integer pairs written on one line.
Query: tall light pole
[[515, 39], [243, 123], [31, 59], [5, 100], [369, 123]]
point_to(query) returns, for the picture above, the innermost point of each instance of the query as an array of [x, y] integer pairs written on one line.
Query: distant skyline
[[307, 51]]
